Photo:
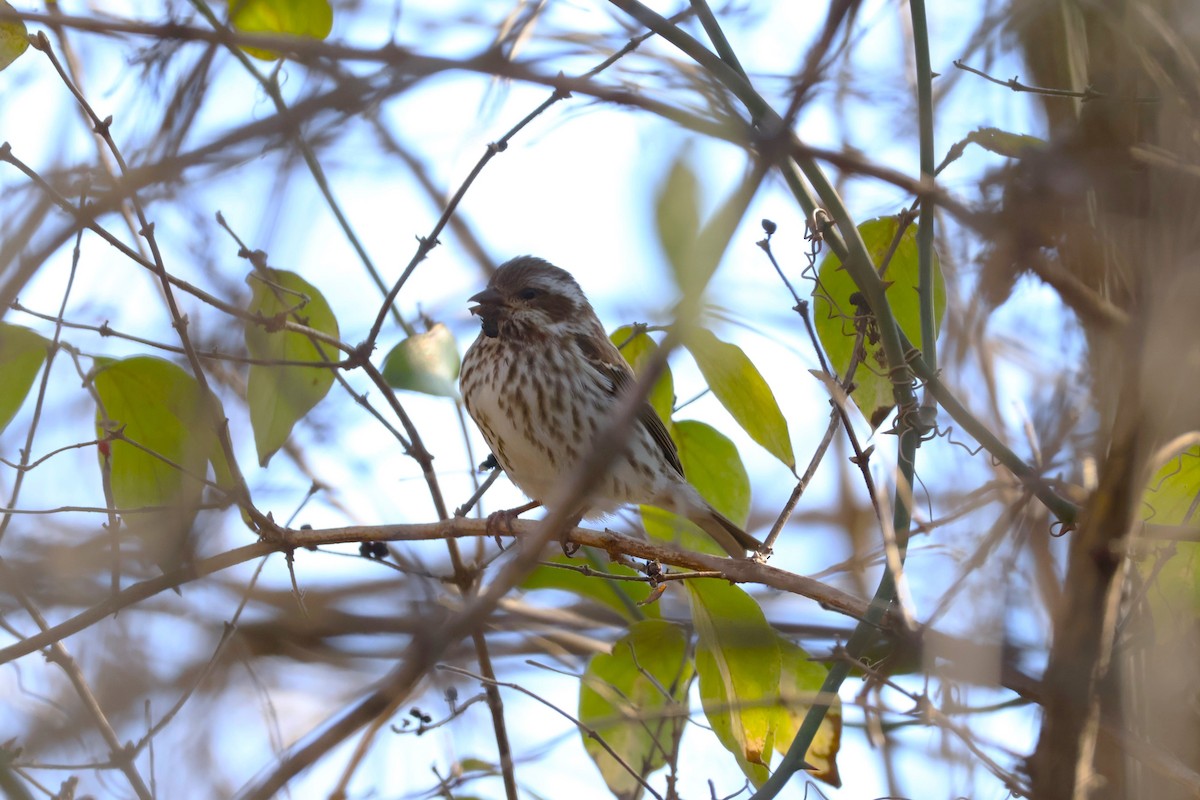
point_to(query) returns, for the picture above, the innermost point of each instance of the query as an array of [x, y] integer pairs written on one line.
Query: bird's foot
[[500, 523], [569, 548]]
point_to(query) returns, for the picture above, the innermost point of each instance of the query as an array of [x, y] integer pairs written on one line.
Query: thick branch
[[1062, 765], [739, 571]]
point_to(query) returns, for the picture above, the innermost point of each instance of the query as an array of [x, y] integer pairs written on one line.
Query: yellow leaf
[[14, 38], [312, 19]]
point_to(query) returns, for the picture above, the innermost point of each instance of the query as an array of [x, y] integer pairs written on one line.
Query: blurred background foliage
[[225, 217]]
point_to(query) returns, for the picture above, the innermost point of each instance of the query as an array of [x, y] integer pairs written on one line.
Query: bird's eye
[[528, 294]]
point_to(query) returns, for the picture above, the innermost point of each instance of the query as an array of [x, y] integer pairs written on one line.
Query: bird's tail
[[733, 540]]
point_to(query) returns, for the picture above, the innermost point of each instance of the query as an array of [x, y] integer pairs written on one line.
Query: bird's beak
[[488, 297]]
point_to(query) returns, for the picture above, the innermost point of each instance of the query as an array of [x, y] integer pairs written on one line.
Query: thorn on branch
[[269, 531], [258, 259], [359, 357], [275, 323], [866, 457], [561, 93], [923, 709], [116, 434]]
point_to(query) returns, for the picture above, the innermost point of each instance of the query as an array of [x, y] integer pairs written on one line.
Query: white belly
[[540, 419]]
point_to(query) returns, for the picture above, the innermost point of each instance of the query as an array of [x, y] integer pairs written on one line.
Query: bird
[[541, 380]]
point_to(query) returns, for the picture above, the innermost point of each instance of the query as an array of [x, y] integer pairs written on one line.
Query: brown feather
[[725, 532], [608, 361]]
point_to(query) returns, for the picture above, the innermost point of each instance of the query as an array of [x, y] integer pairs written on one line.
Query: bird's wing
[[607, 360]]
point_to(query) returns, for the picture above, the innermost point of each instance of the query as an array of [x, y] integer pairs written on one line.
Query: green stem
[[865, 634], [716, 35], [926, 221], [867, 631], [844, 240]]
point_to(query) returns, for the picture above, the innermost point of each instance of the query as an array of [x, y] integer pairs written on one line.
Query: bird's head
[[527, 296]]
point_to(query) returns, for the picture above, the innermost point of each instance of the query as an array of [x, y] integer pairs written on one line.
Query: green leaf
[[478, 765], [312, 19], [157, 405], [694, 250], [637, 349], [22, 353], [712, 464], [279, 396], [1011, 145], [14, 38], [1173, 495], [677, 531], [1174, 598], [425, 362], [741, 388], [738, 662], [800, 680], [834, 315], [677, 215], [627, 698], [618, 595]]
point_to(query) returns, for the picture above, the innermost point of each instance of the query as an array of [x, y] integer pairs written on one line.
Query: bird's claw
[[500, 523], [570, 548]]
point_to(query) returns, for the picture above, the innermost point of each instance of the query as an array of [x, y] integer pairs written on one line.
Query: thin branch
[[1012, 83], [270, 85], [121, 757]]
